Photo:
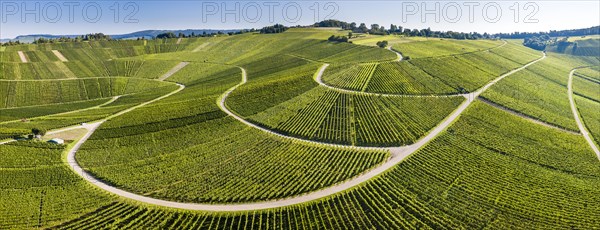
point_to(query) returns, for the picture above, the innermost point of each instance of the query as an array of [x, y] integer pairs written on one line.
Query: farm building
[[57, 141]]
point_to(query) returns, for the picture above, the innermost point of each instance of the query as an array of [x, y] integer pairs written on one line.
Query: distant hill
[[144, 33]]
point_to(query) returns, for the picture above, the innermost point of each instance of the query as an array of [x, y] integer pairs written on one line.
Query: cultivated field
[[290, 131]]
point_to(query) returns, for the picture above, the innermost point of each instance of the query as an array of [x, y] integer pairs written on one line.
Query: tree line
[[552, 33], [203, 34], [377, 29]]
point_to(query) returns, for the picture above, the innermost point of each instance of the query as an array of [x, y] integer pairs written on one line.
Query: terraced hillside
[[290, 131]]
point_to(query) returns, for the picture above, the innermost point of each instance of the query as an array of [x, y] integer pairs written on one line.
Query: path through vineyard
[[398, 155], [580, 124]]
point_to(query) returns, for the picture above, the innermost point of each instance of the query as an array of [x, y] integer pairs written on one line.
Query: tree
[[334, 38], [352, 26], [277, 28], [363, 28], [350, 34], [374, 28], [38, 131], [393, 29], [382, 44], [166, 35]]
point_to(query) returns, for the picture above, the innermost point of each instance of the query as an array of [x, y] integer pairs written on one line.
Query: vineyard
[[330, 116], [31, 93], [588, 99], [291, 131], [441, 47], [246, 157], [472, 182], [541, 90], [452, 73], [39, 190]]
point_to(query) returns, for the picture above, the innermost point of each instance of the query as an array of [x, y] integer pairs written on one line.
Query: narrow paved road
[[582, 127], [398, 155]]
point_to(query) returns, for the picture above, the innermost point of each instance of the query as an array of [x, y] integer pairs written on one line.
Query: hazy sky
[[113, 17]]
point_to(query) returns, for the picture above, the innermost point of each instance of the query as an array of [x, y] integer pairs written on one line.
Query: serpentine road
[[397, 53], [398, 155], [582, 127]]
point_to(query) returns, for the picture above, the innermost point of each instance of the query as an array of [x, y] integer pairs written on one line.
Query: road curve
[[580, 124], [399, 58], [398, 155]]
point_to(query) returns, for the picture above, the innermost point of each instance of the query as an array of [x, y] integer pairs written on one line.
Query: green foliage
[[382, 44], [277, 28], [334, 38]]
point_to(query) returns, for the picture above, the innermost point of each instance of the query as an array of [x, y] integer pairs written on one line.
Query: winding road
[[580, 124], [398, 155], [397, 53]]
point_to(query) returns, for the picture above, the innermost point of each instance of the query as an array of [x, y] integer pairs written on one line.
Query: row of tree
[[538, 43], [399, 30], [552, 33], [203, 34], [87, 37], [274, 29]]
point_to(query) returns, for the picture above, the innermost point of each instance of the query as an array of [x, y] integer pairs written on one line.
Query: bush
[[334, 38], [382, 44]]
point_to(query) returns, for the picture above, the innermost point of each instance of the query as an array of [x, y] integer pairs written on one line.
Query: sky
[[116, 17]]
